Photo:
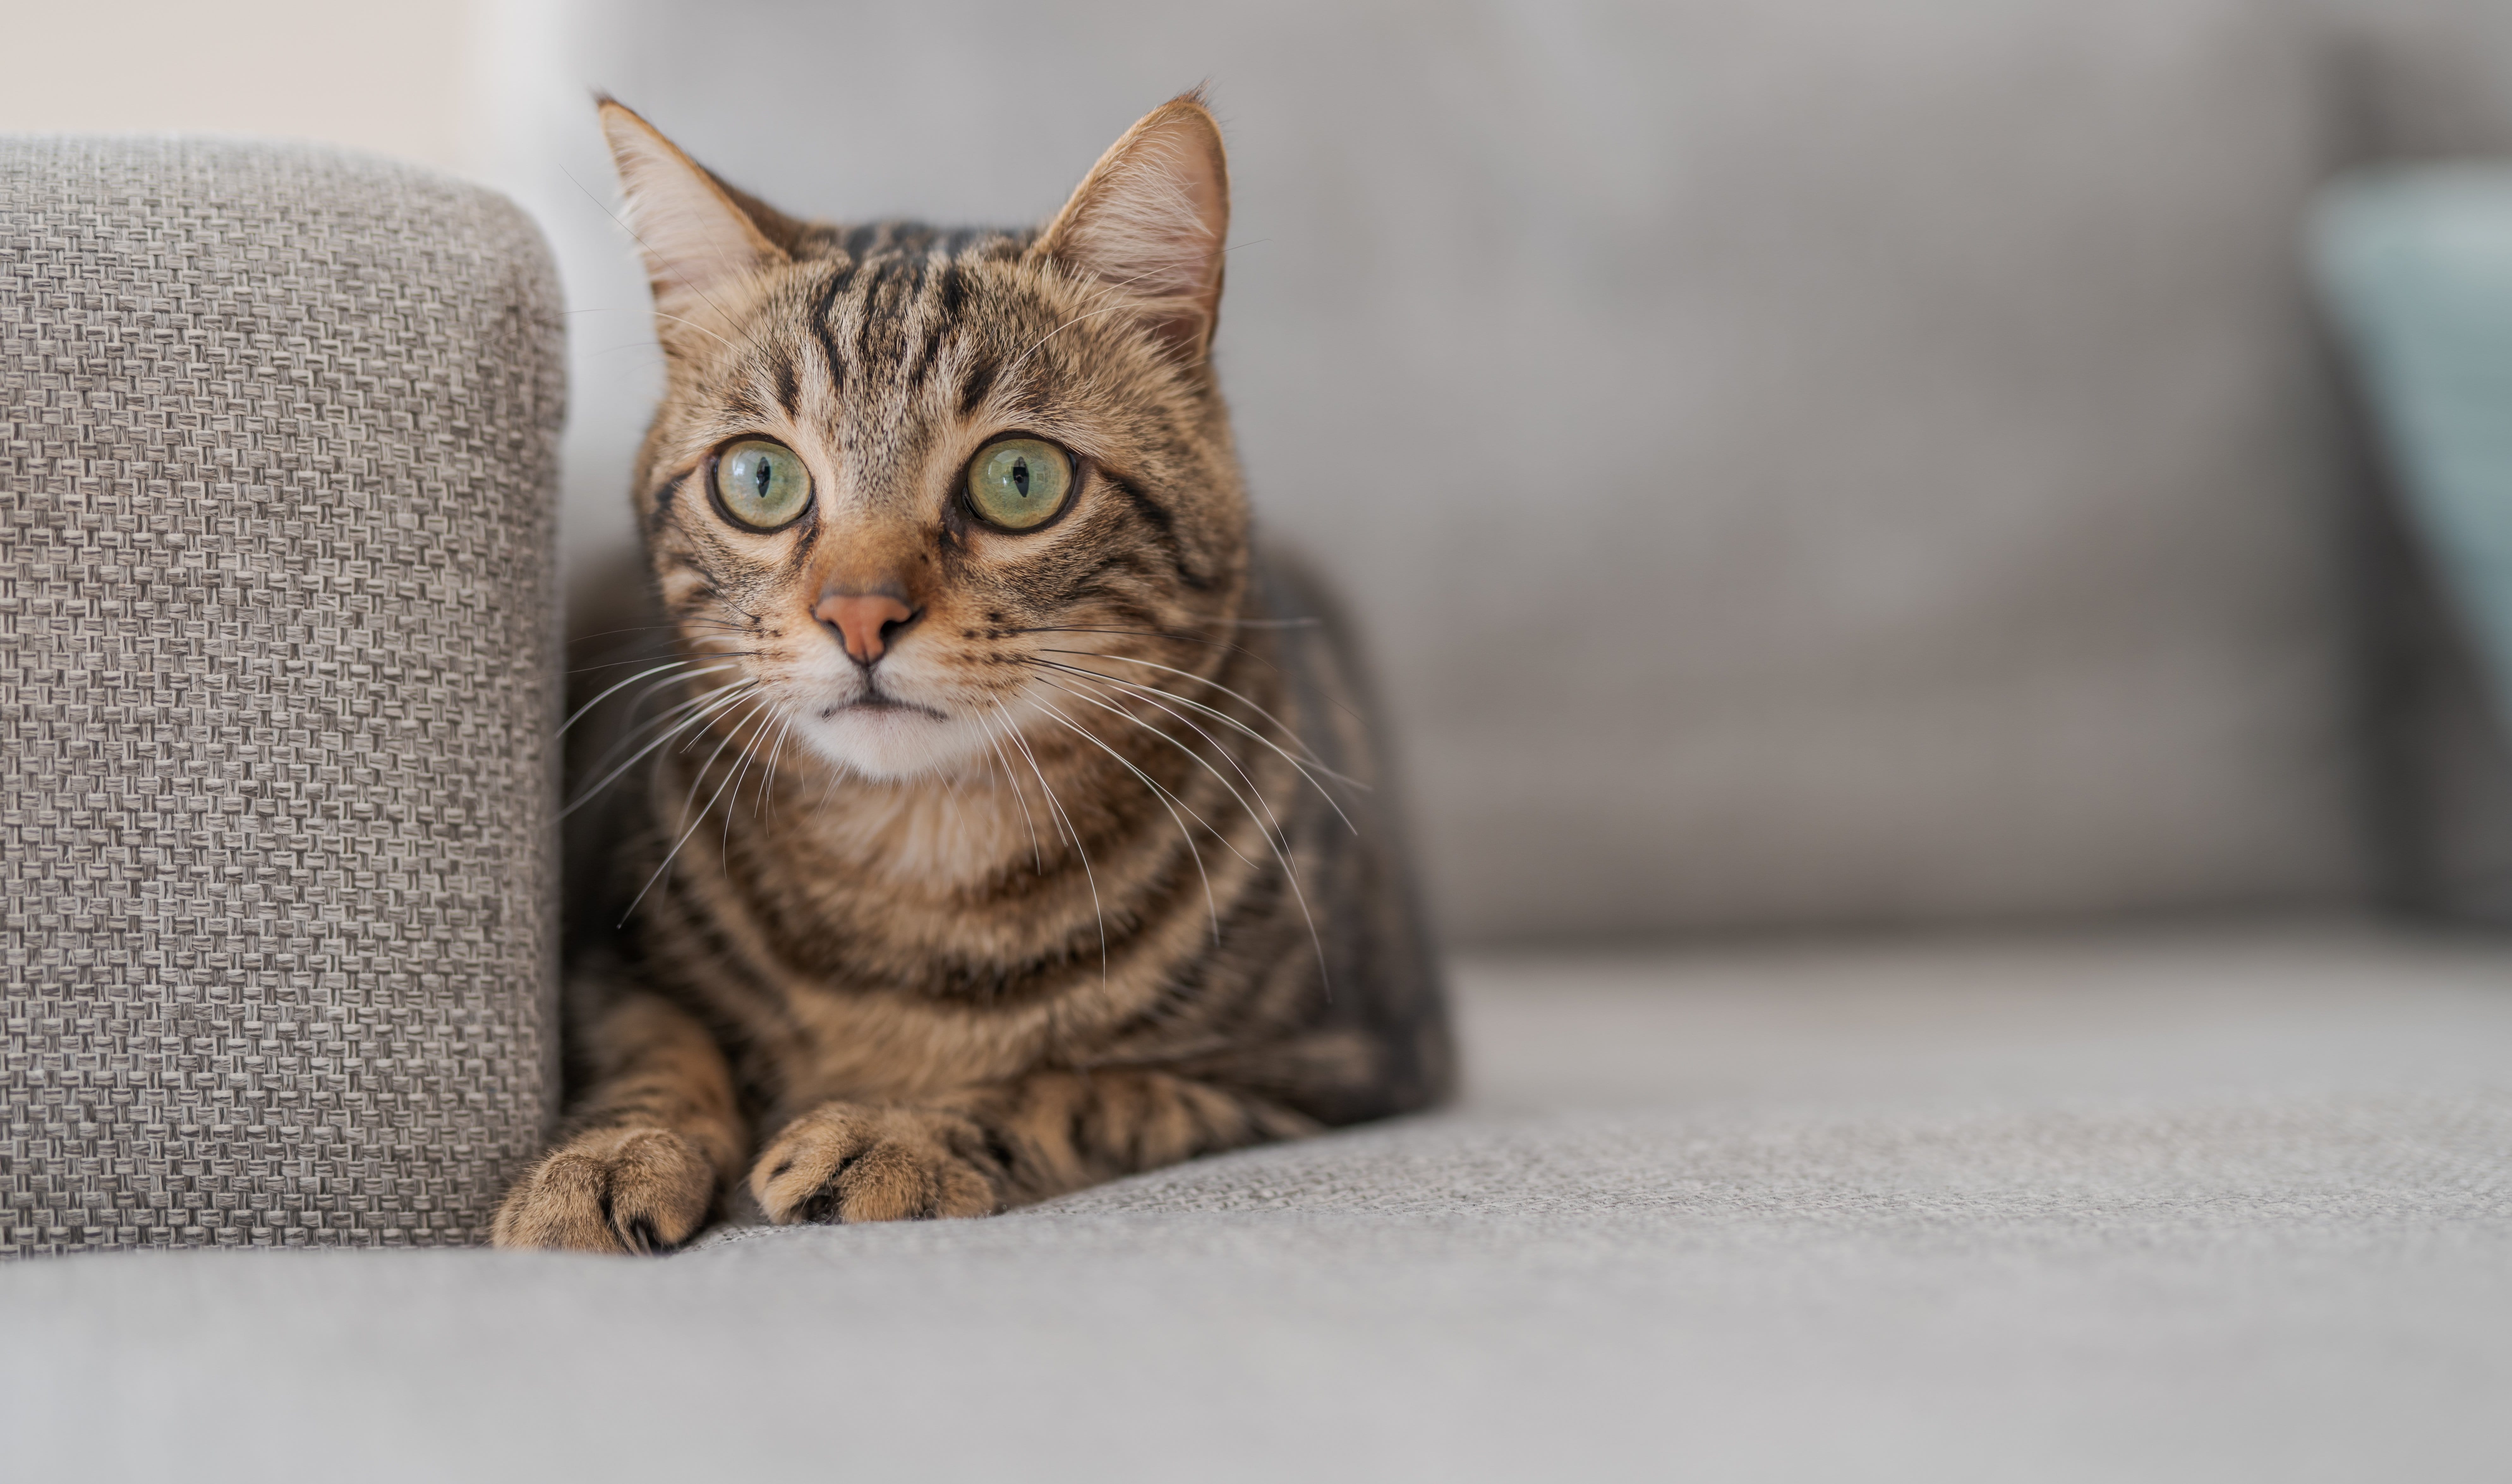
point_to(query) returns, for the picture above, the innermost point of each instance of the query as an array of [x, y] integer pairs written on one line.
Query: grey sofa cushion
[[277, 442], [2422, 79], [1799, 462], [2208, 1208]]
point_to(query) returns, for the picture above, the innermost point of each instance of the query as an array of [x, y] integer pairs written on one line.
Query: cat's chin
[[894, 744]]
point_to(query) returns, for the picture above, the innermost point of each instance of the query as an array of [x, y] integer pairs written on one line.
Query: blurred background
[[1802, 465]]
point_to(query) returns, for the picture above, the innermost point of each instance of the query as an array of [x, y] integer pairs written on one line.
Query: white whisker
[[1127, 659], [675, 851], [631, 681], [1168, 801], [1037, 856], [1122, 691], [709, 703], [767, 775], [1132, 688], [749, 752], [1057, 807], [1270, 826], [1279, 847]]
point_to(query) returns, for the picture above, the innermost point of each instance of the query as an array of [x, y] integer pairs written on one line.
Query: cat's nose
[[865, 623]]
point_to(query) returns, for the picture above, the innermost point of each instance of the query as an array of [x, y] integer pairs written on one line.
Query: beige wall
[[392, 78]]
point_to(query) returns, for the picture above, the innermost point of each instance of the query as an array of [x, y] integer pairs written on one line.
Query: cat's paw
[[847, 1162], [612, 1190]]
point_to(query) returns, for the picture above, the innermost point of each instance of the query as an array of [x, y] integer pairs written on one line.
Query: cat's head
[[897, 470]]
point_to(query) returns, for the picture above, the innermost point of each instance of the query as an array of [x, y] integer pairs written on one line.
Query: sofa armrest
[[278, 663]]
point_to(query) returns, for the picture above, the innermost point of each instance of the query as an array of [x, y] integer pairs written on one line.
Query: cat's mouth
[[875, 702], [880, 734]]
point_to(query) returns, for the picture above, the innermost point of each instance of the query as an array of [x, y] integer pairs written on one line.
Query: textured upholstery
[[277, 458], [1798, 462], [2210, 1209]]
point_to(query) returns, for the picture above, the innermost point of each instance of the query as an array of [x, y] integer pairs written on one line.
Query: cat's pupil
[[761, 477], [1020, 475]]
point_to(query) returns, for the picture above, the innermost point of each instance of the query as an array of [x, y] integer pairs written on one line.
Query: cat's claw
[[849, 1162], [639, 1189]]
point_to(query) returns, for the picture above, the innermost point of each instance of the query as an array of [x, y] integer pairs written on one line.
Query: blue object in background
[[2415, 265]]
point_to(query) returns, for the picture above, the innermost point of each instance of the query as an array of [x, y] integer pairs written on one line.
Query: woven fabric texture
[[277, 674], [2170, 1208]]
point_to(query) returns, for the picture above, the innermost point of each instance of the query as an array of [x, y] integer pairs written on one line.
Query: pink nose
[[865, 622]]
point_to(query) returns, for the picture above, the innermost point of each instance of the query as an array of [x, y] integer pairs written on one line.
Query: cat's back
[[1383, 975]]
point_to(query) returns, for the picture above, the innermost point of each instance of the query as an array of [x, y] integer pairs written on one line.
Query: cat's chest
[[851, 986], [907, 955], [955, 908], [882, 1047]]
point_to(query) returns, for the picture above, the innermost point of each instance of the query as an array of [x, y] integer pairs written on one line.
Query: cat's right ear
[[702, 241], [1148, 224]]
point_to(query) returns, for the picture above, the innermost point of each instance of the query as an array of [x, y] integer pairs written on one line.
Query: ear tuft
[[699, 237], [1149, 222]]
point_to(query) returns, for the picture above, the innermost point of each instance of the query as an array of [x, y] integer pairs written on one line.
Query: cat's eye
[[1019, 482], [761, 484]]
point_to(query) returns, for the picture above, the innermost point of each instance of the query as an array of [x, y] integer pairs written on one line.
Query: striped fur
[[1112, 886]]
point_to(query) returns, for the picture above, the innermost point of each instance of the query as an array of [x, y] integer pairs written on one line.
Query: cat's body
[[1007, 832]]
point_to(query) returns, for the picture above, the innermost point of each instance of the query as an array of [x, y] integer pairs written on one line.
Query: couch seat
[[2203, 1204]]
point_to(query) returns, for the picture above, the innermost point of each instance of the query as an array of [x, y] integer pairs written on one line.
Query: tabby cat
[[1011, 824]]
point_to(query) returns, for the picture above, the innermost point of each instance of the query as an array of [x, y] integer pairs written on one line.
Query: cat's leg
[[978, 1153], [645, 1151]]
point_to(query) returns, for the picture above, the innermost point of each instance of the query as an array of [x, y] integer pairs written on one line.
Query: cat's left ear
[[702, 239], [1149, 221]]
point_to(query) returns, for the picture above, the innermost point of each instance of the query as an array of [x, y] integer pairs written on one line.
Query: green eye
[[1019, 482], [761, 484]]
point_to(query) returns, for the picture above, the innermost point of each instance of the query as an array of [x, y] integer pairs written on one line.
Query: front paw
[[847, 1162], [612, 1190]]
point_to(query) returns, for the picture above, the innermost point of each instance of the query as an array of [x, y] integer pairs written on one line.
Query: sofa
[[1976, 902]]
